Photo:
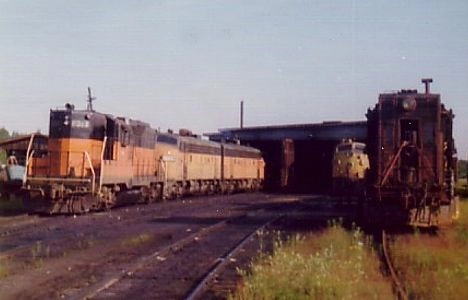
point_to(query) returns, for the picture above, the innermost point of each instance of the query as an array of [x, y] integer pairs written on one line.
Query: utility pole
[[242, 114], [90, 100]]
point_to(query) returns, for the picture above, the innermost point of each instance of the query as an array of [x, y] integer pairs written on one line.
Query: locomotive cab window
[[111, 133], [124, 136]]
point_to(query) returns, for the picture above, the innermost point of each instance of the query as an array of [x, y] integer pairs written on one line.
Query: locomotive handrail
[[93, 184], [102, 164], [58, 179], [29, 146], [28, 158]]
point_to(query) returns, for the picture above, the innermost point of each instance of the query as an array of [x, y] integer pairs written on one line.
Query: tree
[[4, 134], [3, 156], [462, 168]]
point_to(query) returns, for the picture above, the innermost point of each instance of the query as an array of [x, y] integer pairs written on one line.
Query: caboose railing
[[392, 163], [93, 184]]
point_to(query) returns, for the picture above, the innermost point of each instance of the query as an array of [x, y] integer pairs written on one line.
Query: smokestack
[[427, 82], [242, 114]]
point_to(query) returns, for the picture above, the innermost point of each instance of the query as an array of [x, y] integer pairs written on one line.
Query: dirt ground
[[157, 251]]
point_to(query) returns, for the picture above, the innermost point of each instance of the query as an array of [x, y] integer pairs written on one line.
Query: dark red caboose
[[412, 158]]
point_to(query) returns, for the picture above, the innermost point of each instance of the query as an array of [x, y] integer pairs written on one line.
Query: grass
[[39, 252], [3, 271], [335, 264], [461, 188], [435, 267], [137, 240]]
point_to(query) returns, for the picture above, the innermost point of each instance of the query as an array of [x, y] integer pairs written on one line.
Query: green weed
[[137, 240], [461, 187], [38, 252], [435, 267], [336, 264], [3, 271]]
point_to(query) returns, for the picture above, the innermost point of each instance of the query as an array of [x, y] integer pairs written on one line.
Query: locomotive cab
[[71, 169], [75, 143], [350, 165]]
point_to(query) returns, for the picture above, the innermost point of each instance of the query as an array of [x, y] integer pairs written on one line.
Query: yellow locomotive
[[96, 161], [350, 164]]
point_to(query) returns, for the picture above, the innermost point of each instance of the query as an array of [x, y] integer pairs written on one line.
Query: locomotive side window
[[166, 139]]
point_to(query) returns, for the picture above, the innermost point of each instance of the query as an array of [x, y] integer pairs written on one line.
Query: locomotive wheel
[[107, 199], [110, 200], [179, 191], [57, 207], [79, 204], [150, 193], [145, 192], [76, 205]]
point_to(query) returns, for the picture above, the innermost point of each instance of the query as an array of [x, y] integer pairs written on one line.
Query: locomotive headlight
[[408, 104], [67, 121]]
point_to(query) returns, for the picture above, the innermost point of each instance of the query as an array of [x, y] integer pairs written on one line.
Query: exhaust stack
[[427, 82]]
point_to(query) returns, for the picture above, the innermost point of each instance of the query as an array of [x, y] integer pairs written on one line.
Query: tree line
[[5, 135]]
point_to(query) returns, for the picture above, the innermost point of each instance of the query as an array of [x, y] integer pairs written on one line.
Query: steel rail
[[222, 261], [112, 280], [400, 291]]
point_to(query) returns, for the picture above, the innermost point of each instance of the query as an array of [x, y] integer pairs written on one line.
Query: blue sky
[[188, 64]]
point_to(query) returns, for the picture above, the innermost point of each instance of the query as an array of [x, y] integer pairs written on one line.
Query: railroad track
[[54, 228], [111, 286], [20, 224], [222, 261], [158, 255], [398, 286], [200, 245], [25, 236], [183, 247]]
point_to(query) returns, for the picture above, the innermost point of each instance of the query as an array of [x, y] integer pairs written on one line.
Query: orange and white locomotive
[[96, 161]]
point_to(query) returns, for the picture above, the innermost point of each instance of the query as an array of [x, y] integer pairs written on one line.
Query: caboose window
[[409, 130]]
